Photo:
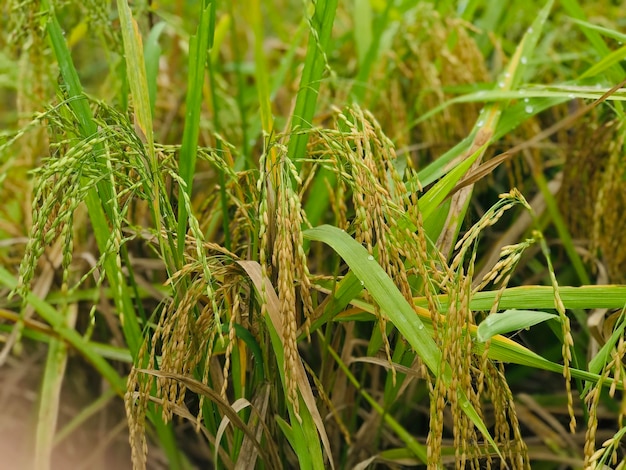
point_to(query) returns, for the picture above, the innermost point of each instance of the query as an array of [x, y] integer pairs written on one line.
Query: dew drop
[[362, 283], [501, 84], [465, 404], [370, 257], [507, 74], [420, 326], [524, 60], [480, 123], [528, 109], [525, 100], [571, 95], [530, 29]]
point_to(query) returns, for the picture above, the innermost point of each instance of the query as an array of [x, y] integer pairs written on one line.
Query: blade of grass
[[255, 18], [430, 201], [139, 90], [573, 8], [314, 64], [49, 403], [606, 63], [489, 21], [245, 160], [368, 44], [84, 415], [614, 71], [320, 25], [198, 47], [510, 320], [362, 18], [136, 69], [611, 33], [542, 297], [382, 289]]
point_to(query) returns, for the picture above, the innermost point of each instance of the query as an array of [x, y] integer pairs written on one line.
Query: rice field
[[350, 235]]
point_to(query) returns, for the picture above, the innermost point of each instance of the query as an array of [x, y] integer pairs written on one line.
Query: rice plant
[[312, 234]]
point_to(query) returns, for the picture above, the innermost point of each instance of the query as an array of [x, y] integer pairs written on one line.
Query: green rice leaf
[[314, 65], [510, 320], [611, 33], [198, 47], [540, 297]]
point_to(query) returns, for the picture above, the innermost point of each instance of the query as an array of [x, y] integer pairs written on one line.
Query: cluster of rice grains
[[183, 342], [479, 378], [385, 214], [282, 256]]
